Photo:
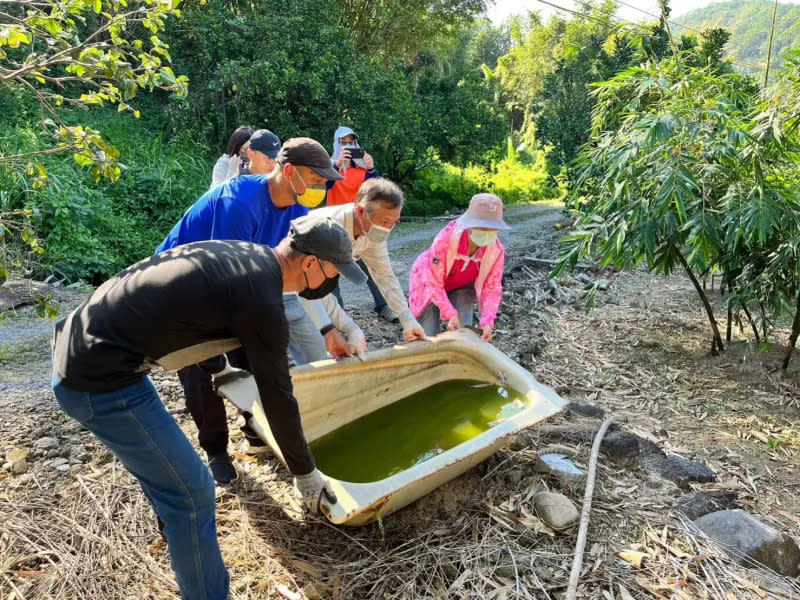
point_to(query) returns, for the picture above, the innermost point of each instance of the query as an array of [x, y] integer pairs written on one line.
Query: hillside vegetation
[[749, 23]]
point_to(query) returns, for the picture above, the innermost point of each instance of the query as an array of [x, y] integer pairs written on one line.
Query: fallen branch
[[583, 530]]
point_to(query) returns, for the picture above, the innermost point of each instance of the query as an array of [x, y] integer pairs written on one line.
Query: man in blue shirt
[[256, 208]]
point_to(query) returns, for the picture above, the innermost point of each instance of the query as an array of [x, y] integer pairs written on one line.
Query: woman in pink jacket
[[464, 264]]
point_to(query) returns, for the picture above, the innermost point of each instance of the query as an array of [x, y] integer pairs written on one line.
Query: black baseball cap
[[305, 152], [266, 142], [327, 240]]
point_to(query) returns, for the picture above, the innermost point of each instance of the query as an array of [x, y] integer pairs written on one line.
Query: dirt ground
[[74, 524]]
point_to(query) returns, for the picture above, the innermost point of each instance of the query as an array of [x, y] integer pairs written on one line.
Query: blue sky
[[503, 9]]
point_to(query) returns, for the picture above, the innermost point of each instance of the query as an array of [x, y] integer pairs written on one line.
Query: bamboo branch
[[716, 344], [794, 335]]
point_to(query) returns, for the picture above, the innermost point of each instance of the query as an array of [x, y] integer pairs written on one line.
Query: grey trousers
[[463, 300]]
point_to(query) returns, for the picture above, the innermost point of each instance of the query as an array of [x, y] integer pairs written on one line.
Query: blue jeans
[[133, 423], [306, 343], [462, 299]]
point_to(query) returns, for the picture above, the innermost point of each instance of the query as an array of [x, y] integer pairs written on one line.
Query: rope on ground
[[577, 561]]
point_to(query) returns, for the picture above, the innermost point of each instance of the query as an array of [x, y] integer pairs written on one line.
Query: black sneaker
[[222, 469]]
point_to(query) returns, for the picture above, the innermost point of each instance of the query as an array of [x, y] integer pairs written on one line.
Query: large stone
[[751, 542], [556, 510], [697, 504]]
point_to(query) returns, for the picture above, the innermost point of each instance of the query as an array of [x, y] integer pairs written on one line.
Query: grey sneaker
[[388, 314]]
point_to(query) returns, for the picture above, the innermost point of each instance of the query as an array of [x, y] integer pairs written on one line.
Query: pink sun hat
[[485, 210]]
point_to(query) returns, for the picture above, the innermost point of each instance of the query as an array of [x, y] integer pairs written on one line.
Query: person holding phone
[[229, 164], [355, 166]]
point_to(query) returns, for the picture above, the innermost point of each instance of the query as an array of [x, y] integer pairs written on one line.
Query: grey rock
[[46, 443], [52, 453], [584, 278], [57, 462], [560, 467], [621, 446], [586, 410], [63, 468], [678, 470], [697, 504], [556, 510], [749, 541], [19, 466], [603, 284]]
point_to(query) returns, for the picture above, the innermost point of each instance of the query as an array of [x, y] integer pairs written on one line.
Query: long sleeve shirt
[[376, 257], [178, 308]]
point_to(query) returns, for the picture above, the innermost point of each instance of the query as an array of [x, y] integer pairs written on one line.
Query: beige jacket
[[376, 257]]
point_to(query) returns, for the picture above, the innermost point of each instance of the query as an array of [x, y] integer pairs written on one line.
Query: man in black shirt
[[178, 308]]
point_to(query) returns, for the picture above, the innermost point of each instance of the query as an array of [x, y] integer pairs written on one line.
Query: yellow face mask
[[313, 196]]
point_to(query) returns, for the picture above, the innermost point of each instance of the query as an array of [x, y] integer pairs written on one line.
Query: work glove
[[311, 489], [413, 331], [356, 341]]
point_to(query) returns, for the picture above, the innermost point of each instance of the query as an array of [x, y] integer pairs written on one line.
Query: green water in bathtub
[[414, 429]]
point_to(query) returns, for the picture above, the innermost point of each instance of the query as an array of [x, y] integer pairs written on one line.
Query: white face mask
[[376, 233], [482, 238]]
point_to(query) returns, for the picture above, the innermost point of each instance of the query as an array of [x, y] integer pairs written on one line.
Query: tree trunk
[[716, 343], [793, 337], [752, 324], [730, 324], [763, 320]]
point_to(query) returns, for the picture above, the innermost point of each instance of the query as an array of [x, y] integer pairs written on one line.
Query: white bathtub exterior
[[332, 394]]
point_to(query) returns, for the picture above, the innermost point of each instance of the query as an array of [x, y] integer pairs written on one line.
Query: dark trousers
[[380, 301], [204, 404]]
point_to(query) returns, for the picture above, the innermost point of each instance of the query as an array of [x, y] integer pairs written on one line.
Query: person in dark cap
[[262, 152], [259, 208], [175, 309]]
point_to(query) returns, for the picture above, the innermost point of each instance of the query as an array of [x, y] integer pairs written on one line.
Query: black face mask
[[323, 290]]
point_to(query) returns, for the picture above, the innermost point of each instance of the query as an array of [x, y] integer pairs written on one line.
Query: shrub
[[89, 230], [515, 179]]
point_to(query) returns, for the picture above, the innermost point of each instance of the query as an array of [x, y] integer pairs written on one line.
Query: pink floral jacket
[[432, 266]]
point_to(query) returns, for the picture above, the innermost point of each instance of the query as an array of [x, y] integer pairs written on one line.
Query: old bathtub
[[332, 394]]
